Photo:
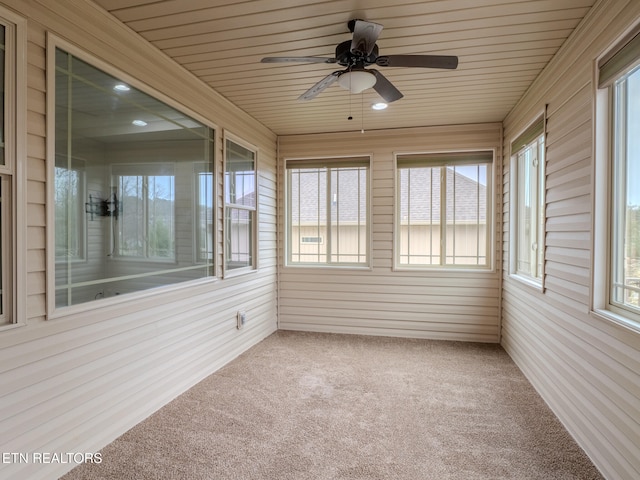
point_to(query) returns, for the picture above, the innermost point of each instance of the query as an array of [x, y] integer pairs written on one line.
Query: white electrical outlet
[[242, 318]]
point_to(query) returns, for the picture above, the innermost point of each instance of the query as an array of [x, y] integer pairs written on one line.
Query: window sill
[[312, 266], [529, 282], [127, 298], [73, 260], [620, 320], [238, 272], [440, 269], [11, 326], [142, 260]]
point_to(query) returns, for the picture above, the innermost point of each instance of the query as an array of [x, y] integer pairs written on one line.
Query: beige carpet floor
[[321, 406]]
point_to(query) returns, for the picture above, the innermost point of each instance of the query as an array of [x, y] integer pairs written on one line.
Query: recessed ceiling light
[[139, 123], [379, 106], [121, 87]]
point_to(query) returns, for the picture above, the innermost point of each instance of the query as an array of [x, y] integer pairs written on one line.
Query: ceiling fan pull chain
[[362, 114]]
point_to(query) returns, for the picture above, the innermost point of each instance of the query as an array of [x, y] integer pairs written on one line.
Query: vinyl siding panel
[[381, 300], [77, 381], [585, 367]]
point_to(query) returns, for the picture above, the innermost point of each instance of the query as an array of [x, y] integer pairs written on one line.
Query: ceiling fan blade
[[385, 88], [298, 60], [421, 61], [320, 86], [365, 35]]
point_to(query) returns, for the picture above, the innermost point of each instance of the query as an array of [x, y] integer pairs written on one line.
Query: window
[[328, 211], [5, 257], [528, 197], [69, 205], [625, 198], [132, 191], [311, 240], [145, 202], [617, 229], [12, 94], [443, 216], [240, 193], [204, 213]]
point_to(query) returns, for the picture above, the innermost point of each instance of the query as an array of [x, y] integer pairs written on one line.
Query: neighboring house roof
[[466, 202], [248, 200], [466, 198]]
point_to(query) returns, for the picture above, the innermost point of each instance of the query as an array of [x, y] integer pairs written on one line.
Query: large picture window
[[328, 211], [528, 197], [443, 216], [127, 215], [240, 193]]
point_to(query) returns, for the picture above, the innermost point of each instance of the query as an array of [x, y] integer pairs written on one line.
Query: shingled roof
[[465, 203]]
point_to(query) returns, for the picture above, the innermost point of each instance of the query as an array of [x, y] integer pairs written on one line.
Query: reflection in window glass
[[127, 215], [7, 161], [145, 212], [240, 210], [2, 93], [2, 159], [204, 214], [2, 217], [69, 206]]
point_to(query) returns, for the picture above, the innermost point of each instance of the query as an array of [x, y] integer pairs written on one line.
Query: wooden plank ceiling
[[502, 46]]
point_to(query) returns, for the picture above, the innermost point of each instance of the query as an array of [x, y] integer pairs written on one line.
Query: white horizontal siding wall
[[380, 300], [587, 369], [74, 383]]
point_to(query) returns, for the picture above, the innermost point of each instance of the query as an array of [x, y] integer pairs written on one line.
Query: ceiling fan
[[360, 52]]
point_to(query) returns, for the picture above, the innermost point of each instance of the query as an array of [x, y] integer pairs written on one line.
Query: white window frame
[[439, 160], [614, 64], [329, 163], [253, 211], [529, 139], [13, 174]]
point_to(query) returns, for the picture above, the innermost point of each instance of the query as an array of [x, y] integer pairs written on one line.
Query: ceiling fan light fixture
[[357, 81]]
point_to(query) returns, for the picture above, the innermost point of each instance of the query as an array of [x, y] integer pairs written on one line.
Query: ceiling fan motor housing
[[347, 58]]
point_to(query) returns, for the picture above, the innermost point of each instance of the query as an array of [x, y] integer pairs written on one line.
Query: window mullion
[[319, 220], [443, 215], [328, 217], [408, 234], [533, 221], [431, 171], [619, 192], [358, 215], [69, 272], [3, 255], [478, 216]]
